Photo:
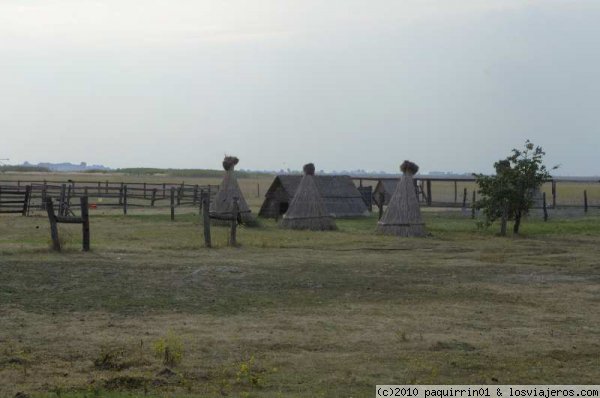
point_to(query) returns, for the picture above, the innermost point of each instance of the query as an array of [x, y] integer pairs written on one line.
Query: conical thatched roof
[[222, 206], [307, 209], [403, 214]]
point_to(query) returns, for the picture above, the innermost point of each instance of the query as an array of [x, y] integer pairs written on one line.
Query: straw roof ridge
[[409, 167], [229, 162]]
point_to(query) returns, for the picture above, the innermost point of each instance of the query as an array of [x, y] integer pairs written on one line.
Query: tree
[[508, 195]]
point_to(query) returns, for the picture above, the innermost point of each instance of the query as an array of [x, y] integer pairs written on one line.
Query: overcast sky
[[347, 84]]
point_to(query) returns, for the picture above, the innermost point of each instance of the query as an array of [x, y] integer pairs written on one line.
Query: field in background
[[290, 313]]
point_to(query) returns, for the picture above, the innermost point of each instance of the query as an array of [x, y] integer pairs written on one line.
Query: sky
[[346, 84]]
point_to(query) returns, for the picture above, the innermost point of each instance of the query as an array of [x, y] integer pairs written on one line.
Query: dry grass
[[295, 313]]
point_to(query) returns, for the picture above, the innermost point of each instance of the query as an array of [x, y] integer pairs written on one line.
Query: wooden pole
[[172, 203], [428, 192], [153, 197], [61, 202], [53, 226], [585, 201], [234, 222], [473, 204], [29, 198], [464, 204], [68, 201], [125, 200], [206, 219], [44, 195], [455, 192], [554, 194], [26, 200], [258, 190], [195, 198], [85, 216], [121, 195], [545, 206]]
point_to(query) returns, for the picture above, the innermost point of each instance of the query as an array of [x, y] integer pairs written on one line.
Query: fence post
[[44, 195], [144, 190], [428, 192], [206, 219], [26, 200], [234, 221], [153, 197], [172, 203], [585, 201], [380, 204], [125, 200], [106, 187], [195, 199], [473, 204], [258, 190], [464, 204], [85, 216], [68, 201], [553, 194], [61, 202], [53, 226], [544, 206], [455, 191]]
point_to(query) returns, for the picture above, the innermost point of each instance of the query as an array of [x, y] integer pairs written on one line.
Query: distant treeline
[[188, 173], [22, 168]]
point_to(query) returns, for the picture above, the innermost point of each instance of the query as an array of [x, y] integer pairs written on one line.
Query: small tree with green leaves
[[508, 195]]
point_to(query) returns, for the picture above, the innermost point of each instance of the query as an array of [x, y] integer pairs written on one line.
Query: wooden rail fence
[[115, 195], [15, 200]]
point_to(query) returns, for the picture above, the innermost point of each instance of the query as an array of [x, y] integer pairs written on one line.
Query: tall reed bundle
[[403, 214], [307, 209], [221, 209]]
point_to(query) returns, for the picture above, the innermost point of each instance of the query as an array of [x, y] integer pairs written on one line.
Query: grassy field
[[151, 312]]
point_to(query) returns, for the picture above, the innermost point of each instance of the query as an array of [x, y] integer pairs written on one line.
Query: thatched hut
[[341, 197], [221, 208], [403, 214], [307, 209]]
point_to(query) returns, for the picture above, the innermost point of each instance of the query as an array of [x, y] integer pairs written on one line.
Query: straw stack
[[403, 214], [307, 209]]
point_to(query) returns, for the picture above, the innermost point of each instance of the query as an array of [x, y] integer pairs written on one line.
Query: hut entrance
[[283, 207]]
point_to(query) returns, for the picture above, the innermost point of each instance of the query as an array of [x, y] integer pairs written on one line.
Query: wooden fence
[[561, 193], [112, 195], [15, 200]]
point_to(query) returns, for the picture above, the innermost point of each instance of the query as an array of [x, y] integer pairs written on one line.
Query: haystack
[[403, 214], [221, 209], [307, 209]]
